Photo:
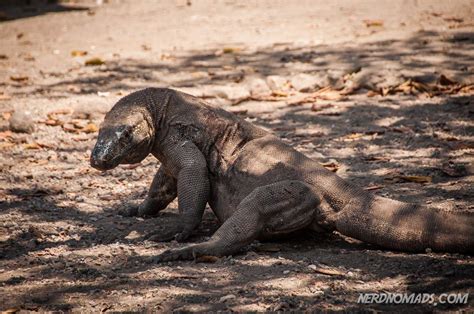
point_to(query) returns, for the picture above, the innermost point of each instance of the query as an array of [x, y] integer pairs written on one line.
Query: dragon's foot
[[161, 236], [135, 209], [185, 253], [129, 210]]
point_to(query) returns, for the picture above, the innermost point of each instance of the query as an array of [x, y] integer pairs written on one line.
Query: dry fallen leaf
[[52, 122], [326, 271], [268, 247], [207, 259], [32, 145], [330, 94], [416, 179], [374, 187], [278, 93], [78, 53], [373, 23], [80, 139], [53, 119], [354, 136], [230, 50], [453, 19], [444, 85], [68, 127], [331, 166], [94, 62], [90, 128], [372, 93], [410, 87], [60, 111], [19, 78]]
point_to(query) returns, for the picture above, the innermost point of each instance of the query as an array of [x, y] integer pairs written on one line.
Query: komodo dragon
[[256, 185]]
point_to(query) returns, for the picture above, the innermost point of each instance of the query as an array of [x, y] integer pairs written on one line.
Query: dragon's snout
[[101, 159]]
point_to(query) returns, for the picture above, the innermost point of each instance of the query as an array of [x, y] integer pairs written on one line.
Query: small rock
[[227, 298], [286, 272], [233, 92], [277, 83], [281, 306], [312, 267], [103, 94], [132, 235], [22, 122], [305, 82], [257, 86]]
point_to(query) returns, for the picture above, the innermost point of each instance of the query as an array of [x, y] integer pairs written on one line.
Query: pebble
[[305, 82], [277, 83], [231, 92], [281, 306], [132, 235], [312, 267], [22, 122], [227, 298], [258, 86]]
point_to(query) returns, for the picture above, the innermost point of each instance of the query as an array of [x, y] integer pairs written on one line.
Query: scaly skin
[[256, 185]]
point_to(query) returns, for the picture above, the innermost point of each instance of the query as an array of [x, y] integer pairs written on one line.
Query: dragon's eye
[[125, 134]]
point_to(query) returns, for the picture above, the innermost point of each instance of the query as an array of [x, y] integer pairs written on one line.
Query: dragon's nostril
[[97, 158]]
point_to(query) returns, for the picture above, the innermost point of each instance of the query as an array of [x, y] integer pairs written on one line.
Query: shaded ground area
[[16, 9], [383, 95]]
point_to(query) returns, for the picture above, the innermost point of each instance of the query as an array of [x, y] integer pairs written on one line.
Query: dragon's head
[[125, 137]]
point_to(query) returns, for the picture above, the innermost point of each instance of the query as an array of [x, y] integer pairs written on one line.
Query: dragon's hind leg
[[277, 208]]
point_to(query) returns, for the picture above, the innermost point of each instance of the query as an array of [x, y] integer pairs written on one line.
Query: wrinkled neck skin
[[127, 134]]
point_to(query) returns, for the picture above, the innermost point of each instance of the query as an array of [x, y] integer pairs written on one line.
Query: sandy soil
[[380, 93]]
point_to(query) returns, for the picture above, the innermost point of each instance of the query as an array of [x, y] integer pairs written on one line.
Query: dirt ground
[[380, 92]]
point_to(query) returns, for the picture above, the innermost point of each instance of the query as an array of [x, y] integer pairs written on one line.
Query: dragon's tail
[[406, 227]]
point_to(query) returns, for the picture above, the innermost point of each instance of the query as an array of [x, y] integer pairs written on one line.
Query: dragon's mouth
[[105, 164], [109, 164]]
